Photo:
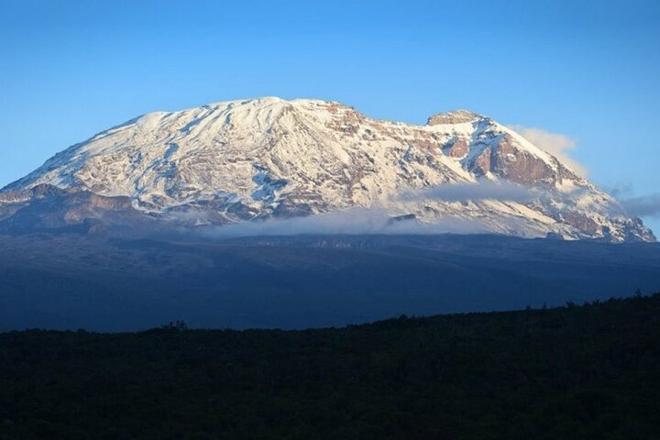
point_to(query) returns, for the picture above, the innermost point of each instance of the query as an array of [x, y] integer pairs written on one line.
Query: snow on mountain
[[263, 158]]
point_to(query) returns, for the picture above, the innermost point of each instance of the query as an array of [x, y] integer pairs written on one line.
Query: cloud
[[349, 222], [620, 190], [638, 206], [352, 221], [483, 190], [642, 206], [382, 221], [559, 145]]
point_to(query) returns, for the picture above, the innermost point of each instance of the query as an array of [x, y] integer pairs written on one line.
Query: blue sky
[[587, 70]]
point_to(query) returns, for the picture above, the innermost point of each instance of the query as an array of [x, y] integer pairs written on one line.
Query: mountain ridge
[[264, 158]]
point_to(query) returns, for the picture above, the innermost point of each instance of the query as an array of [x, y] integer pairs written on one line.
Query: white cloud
[[557, 144], [350, 222]]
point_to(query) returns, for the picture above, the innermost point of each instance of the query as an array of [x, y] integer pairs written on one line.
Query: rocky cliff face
[[257, 159]]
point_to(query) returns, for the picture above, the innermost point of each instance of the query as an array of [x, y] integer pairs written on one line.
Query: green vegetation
[[590, 371]]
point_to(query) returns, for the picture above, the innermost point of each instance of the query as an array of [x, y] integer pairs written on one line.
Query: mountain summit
[[272, 158]]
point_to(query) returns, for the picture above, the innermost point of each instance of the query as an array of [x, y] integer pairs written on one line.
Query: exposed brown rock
[[347, 121], [457, 148], [581, 222], [453, 117], [520, 166], [482, 163]]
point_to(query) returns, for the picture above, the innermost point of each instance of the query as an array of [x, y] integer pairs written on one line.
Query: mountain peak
[[459, 116], [269, 157]]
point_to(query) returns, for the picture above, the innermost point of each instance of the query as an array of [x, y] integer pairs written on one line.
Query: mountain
[[270, 158]]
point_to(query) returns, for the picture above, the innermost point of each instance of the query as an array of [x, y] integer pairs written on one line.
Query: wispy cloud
[[380, 221], [482, 190], [642, 206], [639, 206], [620, 190], [349, 222], [557, 144]]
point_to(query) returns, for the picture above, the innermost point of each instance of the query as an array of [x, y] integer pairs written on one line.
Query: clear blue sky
[[589, 70]]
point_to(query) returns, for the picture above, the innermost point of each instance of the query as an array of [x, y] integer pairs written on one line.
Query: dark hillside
[[66, 282], [586, 372]]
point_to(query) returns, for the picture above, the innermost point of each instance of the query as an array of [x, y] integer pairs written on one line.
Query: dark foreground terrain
[[71, 281], [587, 372]]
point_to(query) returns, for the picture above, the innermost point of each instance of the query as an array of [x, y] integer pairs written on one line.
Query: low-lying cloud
[[382, 221], [557, 144], [483, 190], [349, 222]]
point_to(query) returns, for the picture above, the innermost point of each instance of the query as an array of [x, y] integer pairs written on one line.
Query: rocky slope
[[271, 158]]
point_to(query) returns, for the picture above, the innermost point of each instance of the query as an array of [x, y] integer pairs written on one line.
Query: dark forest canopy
[[579, 371]]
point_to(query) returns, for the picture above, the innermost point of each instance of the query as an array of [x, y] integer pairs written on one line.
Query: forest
[[573, 372]]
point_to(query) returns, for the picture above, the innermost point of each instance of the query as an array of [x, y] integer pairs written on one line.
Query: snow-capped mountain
[[263, 158]]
